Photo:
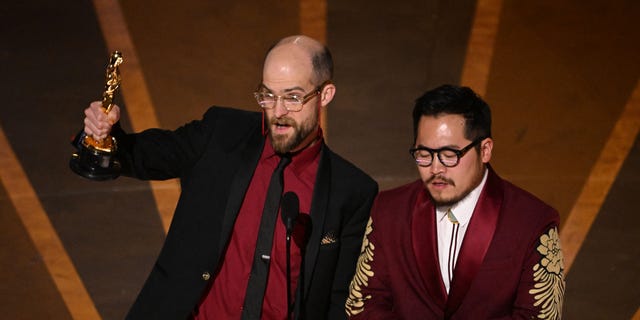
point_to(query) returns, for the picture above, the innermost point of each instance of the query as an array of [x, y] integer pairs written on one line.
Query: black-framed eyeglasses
[[448, 157], [291, 102]]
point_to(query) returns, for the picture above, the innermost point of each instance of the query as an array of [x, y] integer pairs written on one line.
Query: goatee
[[283, 143]]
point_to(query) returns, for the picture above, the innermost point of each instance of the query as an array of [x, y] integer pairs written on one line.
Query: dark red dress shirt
[[225, 298]]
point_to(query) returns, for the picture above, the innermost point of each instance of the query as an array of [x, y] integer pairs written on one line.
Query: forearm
[[351, 241], [542, 285], [369, 295], [157, 154]]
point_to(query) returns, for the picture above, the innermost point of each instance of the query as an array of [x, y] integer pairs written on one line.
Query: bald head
[[302, 52]]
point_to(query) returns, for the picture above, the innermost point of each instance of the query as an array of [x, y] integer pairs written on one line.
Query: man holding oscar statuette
[[226, 255]]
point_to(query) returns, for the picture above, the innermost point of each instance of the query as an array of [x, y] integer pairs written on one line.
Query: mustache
[[283, 121], [440, 178]]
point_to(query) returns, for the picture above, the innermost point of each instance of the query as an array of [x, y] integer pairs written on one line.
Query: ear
[[486, 146], [327, 94]]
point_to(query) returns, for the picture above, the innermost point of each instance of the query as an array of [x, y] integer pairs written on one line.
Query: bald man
[[225, 162]]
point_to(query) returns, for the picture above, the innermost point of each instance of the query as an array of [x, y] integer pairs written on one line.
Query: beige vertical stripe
[[602, 176], [313, 23], [136, 95], [475, 73], [43, 235]]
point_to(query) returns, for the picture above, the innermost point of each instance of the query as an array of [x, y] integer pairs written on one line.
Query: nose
[[279, 109], [436, 166]]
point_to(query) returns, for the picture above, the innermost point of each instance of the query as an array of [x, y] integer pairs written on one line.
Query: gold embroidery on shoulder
[[355, 301], [548, 290]]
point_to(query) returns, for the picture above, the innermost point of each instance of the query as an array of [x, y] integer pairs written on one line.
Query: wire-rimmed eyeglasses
[[291, 102]]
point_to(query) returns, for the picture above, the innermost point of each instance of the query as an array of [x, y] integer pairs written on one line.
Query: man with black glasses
[[225, 255], [460, 243]]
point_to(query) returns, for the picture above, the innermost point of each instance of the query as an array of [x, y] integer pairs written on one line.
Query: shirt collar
[[463, 209]]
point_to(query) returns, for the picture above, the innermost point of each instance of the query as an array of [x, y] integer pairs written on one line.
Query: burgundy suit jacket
[[509, 266]]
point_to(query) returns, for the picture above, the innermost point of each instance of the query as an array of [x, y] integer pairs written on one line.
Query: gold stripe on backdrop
[[136, 95], [44, 236], [477, 64], [603, 174]]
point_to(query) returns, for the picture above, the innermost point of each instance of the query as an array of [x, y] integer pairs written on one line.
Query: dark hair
[[451, 99], [322, 62]]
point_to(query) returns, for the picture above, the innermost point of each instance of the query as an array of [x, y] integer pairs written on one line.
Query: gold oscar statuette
[[96, 159]]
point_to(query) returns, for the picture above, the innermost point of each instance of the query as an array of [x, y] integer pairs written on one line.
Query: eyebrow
[[263, 86], [454, 147]]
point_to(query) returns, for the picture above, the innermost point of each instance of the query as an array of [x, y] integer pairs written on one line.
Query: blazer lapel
[[425, 245], [476, 241], [319, 204], [248, 159]]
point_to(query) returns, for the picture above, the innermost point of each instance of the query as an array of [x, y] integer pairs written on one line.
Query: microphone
[[290, 210]]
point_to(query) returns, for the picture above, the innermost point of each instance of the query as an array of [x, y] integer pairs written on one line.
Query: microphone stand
[[305, 221], [290, 211], [288, 274]]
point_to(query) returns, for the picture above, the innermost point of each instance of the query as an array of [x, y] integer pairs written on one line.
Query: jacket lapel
[[248, 159], [476, 241], [425, 245], [319, 204]]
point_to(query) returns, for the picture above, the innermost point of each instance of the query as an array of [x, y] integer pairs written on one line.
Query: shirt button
[[206, 276]]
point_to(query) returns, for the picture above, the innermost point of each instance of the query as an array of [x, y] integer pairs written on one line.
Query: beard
[[286, 143], [448, 200]]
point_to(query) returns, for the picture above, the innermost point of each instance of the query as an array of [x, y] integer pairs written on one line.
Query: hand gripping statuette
[[96, 159]]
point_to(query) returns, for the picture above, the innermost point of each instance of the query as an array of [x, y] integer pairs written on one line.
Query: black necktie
[[262, 256]]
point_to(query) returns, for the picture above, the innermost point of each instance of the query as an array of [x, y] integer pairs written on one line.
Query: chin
[[445, 200], [281, 143], [283, 146]]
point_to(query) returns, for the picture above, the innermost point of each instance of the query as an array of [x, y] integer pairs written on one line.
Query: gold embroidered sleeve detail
[[355, 301], [548, 275]]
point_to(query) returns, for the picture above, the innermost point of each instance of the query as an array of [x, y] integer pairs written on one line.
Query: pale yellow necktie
[[451, 217]]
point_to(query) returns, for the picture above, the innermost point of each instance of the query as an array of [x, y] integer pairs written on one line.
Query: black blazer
[[215, 158]]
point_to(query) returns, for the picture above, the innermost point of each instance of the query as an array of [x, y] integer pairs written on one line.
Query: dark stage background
[[561, 76]]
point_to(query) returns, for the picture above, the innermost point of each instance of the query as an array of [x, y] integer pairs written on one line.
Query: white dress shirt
[[450, 235]]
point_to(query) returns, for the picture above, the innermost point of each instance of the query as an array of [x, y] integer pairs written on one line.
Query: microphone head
[[290, 209]]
